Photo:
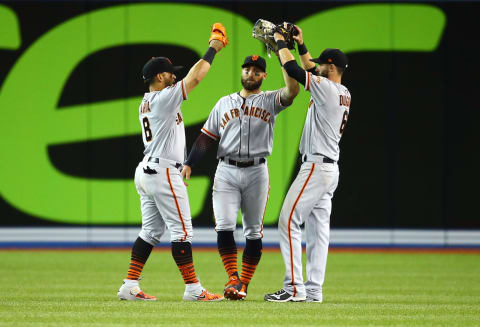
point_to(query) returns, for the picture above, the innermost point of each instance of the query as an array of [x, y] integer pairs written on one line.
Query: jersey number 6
[[344, 122], [147, 130]]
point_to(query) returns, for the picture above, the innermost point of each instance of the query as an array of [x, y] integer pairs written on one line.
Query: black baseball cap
[[158, 65], [332, 56], [255, 60]]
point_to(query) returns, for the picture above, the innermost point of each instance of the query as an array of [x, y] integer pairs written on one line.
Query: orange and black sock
[[182, 254], [140, 252], [228, 251], [251, 257]]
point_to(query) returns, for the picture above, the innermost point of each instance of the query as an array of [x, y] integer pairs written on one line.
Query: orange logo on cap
[[254, 57], [329, 59], [169, 60]]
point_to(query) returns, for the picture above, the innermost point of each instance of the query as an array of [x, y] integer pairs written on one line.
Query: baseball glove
[[263, 31], [219, 33]]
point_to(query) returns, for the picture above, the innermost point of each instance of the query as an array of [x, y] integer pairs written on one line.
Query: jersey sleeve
[[210, 128], [273, 99], [172, 96], [317, 86]]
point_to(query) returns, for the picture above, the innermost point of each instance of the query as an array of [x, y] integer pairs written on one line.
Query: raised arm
[[218, 40], [288, 61], [290, 91], [303, 52]]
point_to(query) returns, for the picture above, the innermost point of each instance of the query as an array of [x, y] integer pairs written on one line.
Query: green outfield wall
[[70, 86]]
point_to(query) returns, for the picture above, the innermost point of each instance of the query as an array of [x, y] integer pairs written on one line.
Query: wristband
[[209, 55], [281, 44], [302, 49]]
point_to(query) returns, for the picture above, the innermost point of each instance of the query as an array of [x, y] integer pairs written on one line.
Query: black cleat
[[282, 296]]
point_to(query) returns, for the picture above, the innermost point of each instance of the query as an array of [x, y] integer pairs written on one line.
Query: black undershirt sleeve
[[294, 71], [201, 146], [313, 70]]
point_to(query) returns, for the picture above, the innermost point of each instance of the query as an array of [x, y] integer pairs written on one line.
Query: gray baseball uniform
[[244, 128], [309, 197], [163, 195]]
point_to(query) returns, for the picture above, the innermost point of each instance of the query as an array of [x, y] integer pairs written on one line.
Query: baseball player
[[242, 123], [309, 197], [163, 195]]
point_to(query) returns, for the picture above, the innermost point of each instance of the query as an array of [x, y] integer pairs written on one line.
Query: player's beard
[[170, 81], [323, 72], [251, 85]]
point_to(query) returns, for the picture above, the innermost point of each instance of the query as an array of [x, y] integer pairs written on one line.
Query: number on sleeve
[[147, 130], [344, 122]]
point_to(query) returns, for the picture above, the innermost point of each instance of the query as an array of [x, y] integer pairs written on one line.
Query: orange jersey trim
[[265, 210], [183, 90], [176, 204], [290, 231], [209, 133]]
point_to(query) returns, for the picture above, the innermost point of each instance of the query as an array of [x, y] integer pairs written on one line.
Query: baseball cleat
[[283, 296], [311, 299], [232, 289], [131, 291], [202, 295], [242, 294]]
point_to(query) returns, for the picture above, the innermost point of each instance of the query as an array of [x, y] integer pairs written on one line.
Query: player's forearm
[[290, 90], [305, 57], [197, 73], [285, 55], [201, 146], [306, 63], [288, 60]]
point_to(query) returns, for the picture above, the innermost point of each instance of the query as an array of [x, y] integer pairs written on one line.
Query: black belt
[[325, 159], [243, 164], [156, 160]]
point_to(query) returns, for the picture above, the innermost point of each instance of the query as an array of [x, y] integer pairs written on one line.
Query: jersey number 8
[[147, 130]]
